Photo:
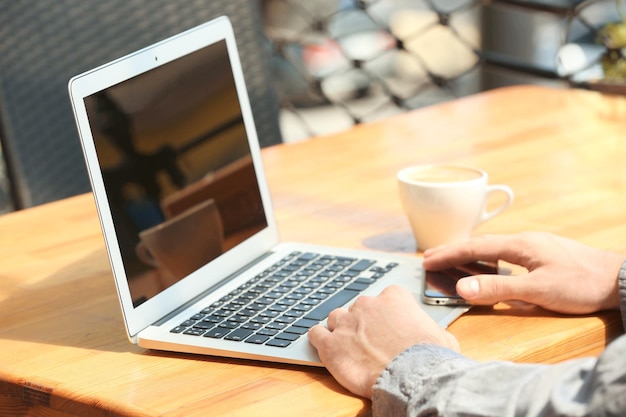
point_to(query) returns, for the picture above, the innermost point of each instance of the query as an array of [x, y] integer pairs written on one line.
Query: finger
[[491, 289], [334, 317], [317, 334], [489, 248], [484, 248]]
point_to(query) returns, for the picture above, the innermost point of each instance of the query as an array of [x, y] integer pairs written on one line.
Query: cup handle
[[494, 189]]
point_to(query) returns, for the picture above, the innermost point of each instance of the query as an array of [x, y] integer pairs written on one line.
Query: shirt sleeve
[[621, 283], [428, 380]]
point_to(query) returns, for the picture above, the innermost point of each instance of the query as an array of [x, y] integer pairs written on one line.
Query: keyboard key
[[304, 290], [295, 296], [296, 330], [194, 331], [257, 339], [318, 296], [212, 319], [229, 325], [257, 306], [362, 265], [306, 323], [267, 332], [178, 329], [276, 326], [248, 312], [285, 319], [327, 290], [308, 256], [287, 302], [238, 318], [321, 312], [252, 326], [203, 325], [217, 333], [293, 313], [261, 320], [302, 307], [269, 313], [222, 313], [287, 336], [278, 343], [273, 295], [278, 308], [239, 335], [344, 260], [357, 286]]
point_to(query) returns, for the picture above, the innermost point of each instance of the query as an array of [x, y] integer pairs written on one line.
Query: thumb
[[490, 289]]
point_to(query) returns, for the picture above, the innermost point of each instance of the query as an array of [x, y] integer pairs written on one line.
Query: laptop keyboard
[[283, 302]]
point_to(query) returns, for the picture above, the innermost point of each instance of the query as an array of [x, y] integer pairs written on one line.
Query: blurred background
[[312, 67], [350, 61]]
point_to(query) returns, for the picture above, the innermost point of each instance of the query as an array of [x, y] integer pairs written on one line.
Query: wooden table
[[63, 347]]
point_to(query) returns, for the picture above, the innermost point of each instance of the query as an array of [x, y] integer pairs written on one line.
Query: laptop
[[175, 166]]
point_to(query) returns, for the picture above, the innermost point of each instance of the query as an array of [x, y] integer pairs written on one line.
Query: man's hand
[[563, 275], [360, 341]]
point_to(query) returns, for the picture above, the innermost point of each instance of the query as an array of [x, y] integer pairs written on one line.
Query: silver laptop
[[175, 166]]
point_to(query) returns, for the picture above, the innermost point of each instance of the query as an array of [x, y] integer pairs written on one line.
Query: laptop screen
[[177, 168]]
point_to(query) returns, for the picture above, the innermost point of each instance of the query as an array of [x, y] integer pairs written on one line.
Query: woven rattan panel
[[44, 43]]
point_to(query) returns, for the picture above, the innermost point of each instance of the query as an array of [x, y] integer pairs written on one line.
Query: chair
[[44, 44]]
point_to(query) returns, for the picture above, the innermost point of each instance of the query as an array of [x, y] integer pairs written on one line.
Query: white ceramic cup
[[445, 202]]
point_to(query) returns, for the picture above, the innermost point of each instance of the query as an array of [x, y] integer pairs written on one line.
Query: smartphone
[[440, 286]]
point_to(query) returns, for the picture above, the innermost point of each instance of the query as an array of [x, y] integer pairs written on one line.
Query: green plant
[[613, 36]]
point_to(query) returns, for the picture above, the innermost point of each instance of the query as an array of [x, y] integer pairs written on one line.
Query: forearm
[[427, 380]]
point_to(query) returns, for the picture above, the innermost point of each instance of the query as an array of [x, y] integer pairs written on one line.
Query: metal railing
[[342, 62]]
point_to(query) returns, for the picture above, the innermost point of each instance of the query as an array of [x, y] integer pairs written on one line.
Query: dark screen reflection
[[177, 168]]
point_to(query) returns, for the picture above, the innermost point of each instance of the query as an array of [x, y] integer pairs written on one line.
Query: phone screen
[[440, 286]]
